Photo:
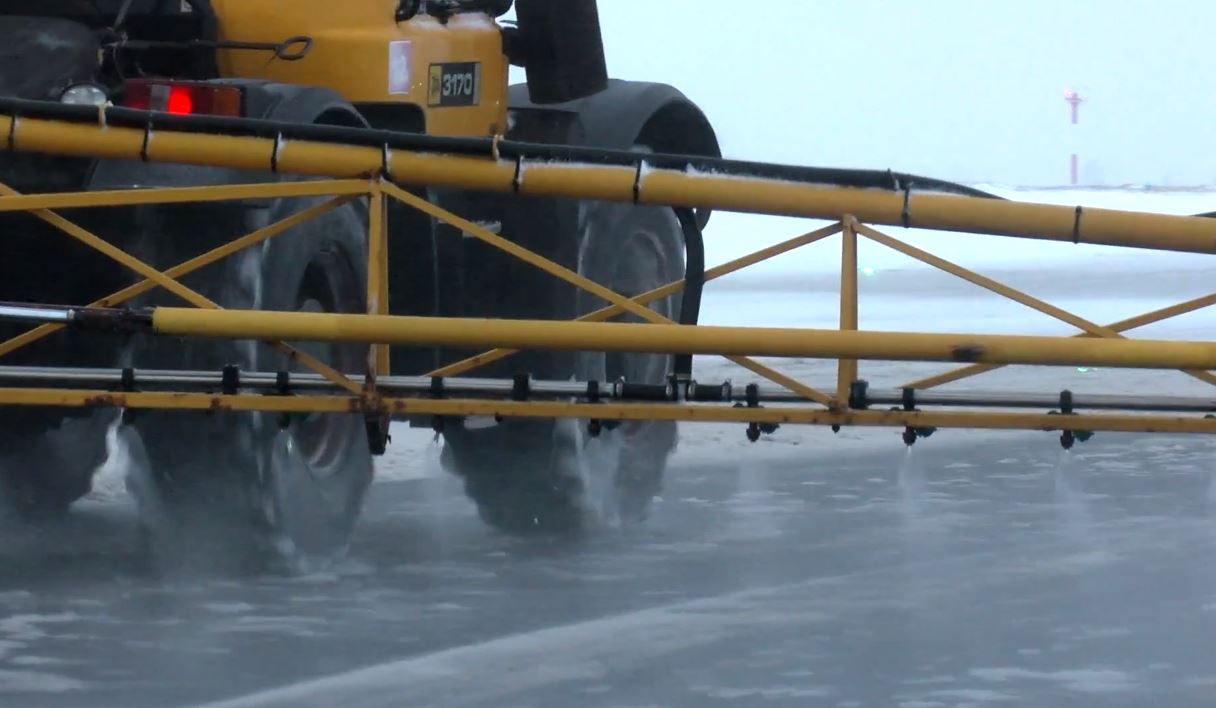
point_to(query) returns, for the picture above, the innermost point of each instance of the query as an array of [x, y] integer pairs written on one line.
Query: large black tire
[[232, 482], [552, 476]]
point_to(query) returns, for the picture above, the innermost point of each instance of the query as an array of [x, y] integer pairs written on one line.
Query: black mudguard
[[625, 114]]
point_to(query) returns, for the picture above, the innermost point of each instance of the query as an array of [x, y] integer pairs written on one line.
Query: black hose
[[694, 283], [487, 147]]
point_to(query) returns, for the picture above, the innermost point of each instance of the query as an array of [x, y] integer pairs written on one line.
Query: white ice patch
[[765, 693], [282, 626], [1080, 680], [972, 696], [37, 682], [26, 628], [31, 660], [228, 608]]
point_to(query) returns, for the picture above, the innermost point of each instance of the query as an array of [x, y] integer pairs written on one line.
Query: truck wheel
[[299, 485], [552, 476]]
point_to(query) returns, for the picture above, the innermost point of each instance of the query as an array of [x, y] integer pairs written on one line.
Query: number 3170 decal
[[454, 84]]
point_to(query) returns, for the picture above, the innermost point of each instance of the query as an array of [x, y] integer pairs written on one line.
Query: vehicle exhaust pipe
[[561, 47]]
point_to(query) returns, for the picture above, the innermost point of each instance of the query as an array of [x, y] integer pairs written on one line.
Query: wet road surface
[[975, 571]]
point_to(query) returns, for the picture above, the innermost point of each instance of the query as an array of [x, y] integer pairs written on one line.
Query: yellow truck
[[356, 203], [436, 68]]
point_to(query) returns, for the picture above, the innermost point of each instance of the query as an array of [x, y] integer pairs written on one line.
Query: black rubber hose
[[694, 283], [486, 147]]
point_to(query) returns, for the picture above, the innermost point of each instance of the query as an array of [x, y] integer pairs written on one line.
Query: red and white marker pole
[[1074, 101]]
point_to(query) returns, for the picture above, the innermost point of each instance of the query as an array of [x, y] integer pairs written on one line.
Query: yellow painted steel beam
[[377, 277], [1130, 323], [183, 195], [580, 281], [675, 339], [114, 253], [847, 368], [527, 256], [174, 286], [781, 379], [626, 184], [185, 268], [607, 313], [1006, 291], [790, 415]]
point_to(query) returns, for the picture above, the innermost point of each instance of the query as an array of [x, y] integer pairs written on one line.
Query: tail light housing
[[184, 98]]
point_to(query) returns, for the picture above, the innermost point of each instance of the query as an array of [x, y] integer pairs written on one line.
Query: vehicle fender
[[626, 114]]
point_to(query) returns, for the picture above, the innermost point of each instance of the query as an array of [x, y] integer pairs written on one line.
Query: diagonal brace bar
[[158, 278], [847, 368], [607, 313], [181, 195], [1130, 323], [582, 282], [182, 269], [1006, 291]]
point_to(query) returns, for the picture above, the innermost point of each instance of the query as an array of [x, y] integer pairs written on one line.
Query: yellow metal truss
[[375, 174]]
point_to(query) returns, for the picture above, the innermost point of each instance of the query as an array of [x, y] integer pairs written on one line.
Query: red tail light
[[183, 98]]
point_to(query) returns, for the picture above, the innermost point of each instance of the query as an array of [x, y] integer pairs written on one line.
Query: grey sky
[[963, 90]]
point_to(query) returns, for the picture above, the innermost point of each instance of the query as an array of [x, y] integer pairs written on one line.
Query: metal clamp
[[230, 380], [1069, 438], [521, 387], [912, 433]]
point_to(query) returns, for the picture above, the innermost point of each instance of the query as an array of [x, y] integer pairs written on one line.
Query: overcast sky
[[962, 90]]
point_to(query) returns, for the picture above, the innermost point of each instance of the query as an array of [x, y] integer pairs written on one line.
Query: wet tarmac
[[972, 571]]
